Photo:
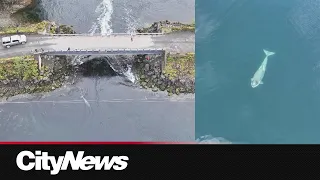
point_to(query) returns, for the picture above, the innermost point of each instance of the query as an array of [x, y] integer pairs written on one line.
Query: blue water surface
[[230, 38]]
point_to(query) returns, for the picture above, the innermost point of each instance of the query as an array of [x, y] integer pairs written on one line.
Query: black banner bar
[[154, 161]]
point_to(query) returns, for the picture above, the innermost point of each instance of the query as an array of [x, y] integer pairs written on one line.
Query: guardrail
[[98, 51], [112, 34]]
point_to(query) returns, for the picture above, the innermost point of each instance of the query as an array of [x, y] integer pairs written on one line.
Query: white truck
[[13, 40]]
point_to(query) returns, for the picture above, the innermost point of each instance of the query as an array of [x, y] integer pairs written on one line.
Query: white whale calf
[[256, 80]]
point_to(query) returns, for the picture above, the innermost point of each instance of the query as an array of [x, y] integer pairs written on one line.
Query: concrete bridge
[[94, 44], [112, 34], [37, 55], [157, 51]]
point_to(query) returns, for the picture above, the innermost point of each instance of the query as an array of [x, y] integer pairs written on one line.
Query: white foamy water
[[77, 60], [103, 22], [208, 139], [86, 102], [116, 16], [129, 74], [130, 20]]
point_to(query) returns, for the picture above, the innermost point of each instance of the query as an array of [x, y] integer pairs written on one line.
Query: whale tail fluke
[[268, 53]]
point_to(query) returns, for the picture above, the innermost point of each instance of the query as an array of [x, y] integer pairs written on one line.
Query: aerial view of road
[[108, 107], [178, 42]]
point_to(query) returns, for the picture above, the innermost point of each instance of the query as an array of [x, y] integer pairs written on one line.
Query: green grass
[[21, 67], [20, 75], [170, 27], [26, 28], [33, 28], [180, 65], [182, 27]]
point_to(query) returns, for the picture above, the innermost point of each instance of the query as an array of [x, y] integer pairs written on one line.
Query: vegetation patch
[[178, 76], [178, 28], [38, 27], [178, 65], [20, 75], [21, 67], [167, 27], [28, 28]]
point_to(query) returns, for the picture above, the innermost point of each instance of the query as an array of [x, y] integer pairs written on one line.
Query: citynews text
[[42, 161]]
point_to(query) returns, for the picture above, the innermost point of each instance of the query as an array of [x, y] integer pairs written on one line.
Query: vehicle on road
[[13, 40]]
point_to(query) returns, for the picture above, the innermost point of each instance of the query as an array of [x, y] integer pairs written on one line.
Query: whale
[[256, 80]]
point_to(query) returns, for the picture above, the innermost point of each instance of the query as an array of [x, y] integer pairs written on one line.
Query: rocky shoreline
[[167, 27], [15, 12], [20, 75], [23, 16], [38, 28], [176, 78]]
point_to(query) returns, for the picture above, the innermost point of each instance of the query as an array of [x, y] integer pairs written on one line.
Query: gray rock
[[177, 91], [182, 90], [149, 85], [154, 89], [150, 73], [146, 67], [173, 91], [162, 87], [144, 84], [182, 81]]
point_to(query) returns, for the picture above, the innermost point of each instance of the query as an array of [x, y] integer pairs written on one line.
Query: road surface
[[175, 42]]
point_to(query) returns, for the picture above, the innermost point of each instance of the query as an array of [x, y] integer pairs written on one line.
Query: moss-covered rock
[[180, 65], [178, 75], [28, 28], [22, 67], [64, 29], [25, 14], [167, 27], [38, 27], [20, 75]]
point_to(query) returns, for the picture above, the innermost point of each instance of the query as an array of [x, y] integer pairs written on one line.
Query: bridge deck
[[105, 52], [175, 43], [112, 34]]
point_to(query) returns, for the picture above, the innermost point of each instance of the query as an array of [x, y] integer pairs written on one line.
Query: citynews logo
[[42, 161]]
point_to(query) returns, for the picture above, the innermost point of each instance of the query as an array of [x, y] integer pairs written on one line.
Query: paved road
[[176, 42]]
